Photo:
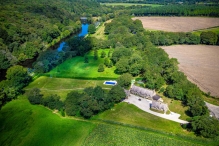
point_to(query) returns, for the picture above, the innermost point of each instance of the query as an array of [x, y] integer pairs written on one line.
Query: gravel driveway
[[144, 104], [214, 110]]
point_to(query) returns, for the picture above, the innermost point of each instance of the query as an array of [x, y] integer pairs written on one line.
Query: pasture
[[130, 4], [76, 68], [62, 86], [178, 24], [200, 63]]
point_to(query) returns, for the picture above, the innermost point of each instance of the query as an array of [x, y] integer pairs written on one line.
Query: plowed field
[[200, 63], [178, 24]]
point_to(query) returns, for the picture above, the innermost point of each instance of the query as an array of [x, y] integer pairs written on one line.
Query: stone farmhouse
[[159, 106], [142, 92]]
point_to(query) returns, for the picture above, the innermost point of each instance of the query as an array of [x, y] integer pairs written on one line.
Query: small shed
[[157, 98]]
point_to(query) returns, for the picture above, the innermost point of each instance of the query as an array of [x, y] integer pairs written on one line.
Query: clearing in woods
[[200, 63], [178, 24]]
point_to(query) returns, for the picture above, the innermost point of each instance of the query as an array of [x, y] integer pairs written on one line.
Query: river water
[[83, 32]]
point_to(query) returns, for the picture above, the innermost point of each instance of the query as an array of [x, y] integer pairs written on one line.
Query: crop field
[[200, 63], [76, 68], [23, 124], [62, 86], [178, 24], [130, 4], [112, 135]]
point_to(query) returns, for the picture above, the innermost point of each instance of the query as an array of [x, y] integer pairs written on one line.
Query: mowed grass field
[[130, 4], [76, 68], [62, 86], [23, 124], [130, 114]]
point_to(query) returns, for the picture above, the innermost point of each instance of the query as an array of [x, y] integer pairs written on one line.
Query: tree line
[[84, 103], [178, 10], [161, 38]]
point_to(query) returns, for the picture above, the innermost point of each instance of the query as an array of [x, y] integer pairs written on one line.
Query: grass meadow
[[62, 86], [130, 4], [76, 68], [23, 124], [99, 34]]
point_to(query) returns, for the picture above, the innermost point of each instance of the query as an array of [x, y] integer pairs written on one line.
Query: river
[[28, 63]]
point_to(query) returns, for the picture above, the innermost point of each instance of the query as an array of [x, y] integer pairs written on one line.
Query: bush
[[34, 96], [53, 102], [101, 68]]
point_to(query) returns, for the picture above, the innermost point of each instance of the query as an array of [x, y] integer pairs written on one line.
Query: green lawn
[[23, 124], [177, 107], [62, 86], [130, 114], [130, 4], [76, 68]]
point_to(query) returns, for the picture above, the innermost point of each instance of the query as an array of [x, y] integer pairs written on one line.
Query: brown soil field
[[200, 63], [178, 24]]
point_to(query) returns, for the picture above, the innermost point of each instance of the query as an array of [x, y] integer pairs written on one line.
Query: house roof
[[159, 105], [143, 91]]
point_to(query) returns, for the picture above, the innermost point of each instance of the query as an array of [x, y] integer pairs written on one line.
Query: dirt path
[[144, 104]]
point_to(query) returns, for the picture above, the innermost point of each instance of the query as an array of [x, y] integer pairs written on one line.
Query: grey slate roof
[[159, 106], [143, 92]]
